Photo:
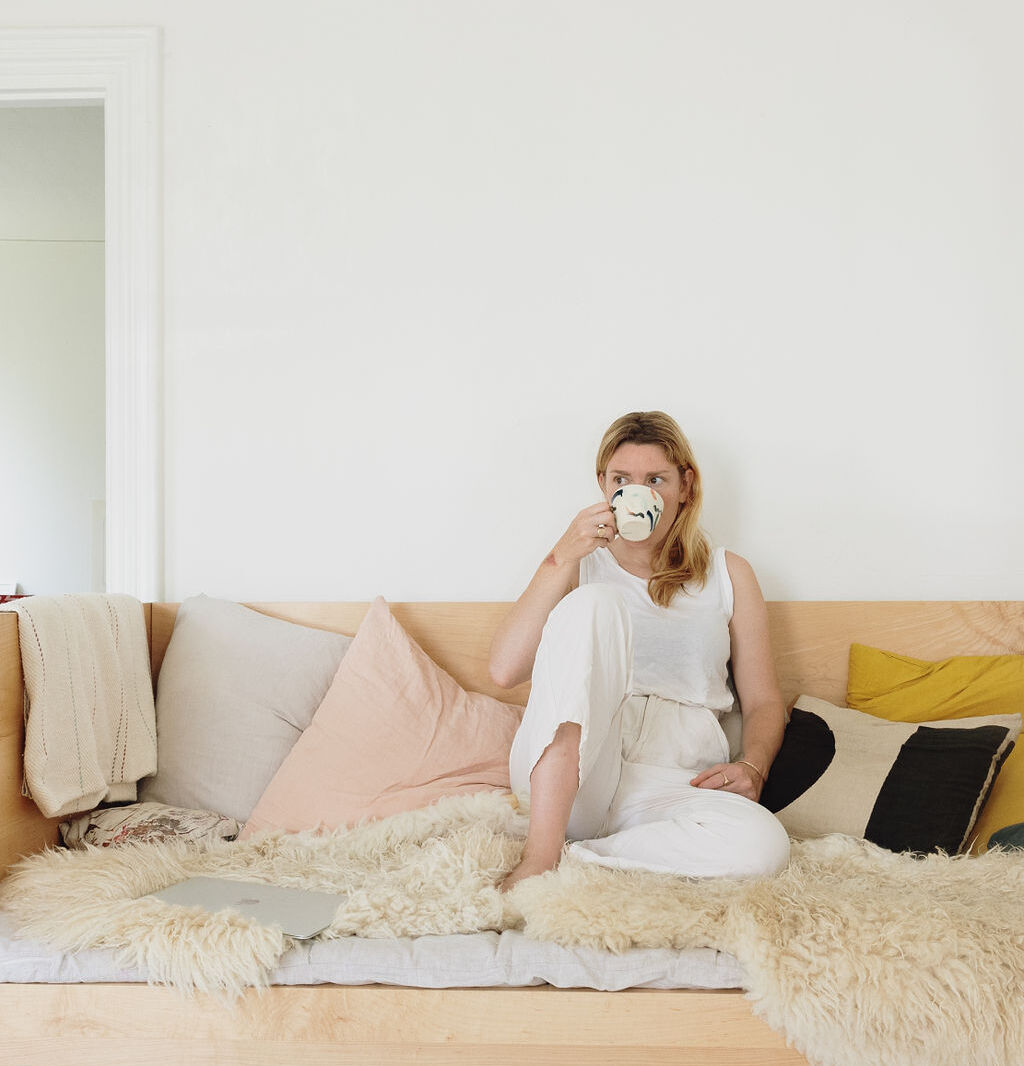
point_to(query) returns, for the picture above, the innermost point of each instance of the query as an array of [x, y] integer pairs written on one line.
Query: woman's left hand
[[730, 777]]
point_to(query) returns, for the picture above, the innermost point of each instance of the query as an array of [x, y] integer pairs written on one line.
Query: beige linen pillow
[[394, 733], [235, 691], [902, 785]]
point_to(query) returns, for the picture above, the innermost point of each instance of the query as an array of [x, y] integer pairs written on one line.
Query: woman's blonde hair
[[685, 554]]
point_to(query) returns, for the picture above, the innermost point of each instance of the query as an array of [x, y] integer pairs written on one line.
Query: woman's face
[[648, 464]]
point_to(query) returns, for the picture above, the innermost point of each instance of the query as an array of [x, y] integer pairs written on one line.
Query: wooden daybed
[[93, 1024]]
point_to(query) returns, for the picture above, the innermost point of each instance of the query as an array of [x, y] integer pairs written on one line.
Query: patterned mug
[[637, 509]]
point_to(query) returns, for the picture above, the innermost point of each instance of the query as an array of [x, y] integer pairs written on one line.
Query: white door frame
[[121, 68]]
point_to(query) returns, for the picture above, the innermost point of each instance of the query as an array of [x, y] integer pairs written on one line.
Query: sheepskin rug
[[857, 955]]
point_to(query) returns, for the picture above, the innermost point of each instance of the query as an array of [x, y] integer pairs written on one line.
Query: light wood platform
[[123, 1025]]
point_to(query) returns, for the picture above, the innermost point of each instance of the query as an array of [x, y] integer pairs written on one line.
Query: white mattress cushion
[[476, 960]]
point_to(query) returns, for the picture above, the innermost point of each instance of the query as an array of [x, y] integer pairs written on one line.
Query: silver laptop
[[297, 911]]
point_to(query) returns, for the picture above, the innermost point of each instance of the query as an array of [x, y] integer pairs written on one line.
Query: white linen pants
[[635, 807]]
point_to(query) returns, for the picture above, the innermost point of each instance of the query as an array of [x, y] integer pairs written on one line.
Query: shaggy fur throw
[[856, 954]]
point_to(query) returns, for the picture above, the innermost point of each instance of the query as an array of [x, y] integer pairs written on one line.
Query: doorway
[[120, 69], [52, 375]]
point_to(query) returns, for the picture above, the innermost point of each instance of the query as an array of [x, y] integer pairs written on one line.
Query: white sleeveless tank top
[[680, 652]]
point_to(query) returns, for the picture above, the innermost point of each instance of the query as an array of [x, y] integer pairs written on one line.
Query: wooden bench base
[[123, 1025]]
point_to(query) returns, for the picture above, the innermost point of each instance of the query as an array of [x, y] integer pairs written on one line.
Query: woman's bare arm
[[757, 686]]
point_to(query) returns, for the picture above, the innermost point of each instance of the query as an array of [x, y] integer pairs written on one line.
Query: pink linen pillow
[[394, 733]]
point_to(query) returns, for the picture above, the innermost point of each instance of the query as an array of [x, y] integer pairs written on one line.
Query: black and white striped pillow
[[903, 785]]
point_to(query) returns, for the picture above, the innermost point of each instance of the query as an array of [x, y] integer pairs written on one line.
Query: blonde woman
[[629, 645]]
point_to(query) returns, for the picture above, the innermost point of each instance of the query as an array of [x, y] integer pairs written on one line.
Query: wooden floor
[[124, 1025]]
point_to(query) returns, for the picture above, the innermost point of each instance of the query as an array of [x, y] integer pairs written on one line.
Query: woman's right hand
[[593, 527]]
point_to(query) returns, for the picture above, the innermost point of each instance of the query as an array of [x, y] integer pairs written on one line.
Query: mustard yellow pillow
[[901, 689]]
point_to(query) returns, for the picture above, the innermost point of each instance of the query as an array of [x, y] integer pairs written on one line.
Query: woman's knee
[[762, 844], [587, 639], [592, 621], [591, 604], [729, 836]]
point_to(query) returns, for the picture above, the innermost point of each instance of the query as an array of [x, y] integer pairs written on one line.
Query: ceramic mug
[[637, 509]]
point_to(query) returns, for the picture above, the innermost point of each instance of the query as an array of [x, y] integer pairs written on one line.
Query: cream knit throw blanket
[[90, 726], [859, 956]]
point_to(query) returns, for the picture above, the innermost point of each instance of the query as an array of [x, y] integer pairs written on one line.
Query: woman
[[629, 644]]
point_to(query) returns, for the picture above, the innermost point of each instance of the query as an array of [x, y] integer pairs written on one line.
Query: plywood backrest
[[811, 640]]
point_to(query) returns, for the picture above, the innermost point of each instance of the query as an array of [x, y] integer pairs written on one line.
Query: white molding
[[121, 69]]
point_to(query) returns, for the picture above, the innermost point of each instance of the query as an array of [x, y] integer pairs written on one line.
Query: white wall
[[413, 245], [51, 348]]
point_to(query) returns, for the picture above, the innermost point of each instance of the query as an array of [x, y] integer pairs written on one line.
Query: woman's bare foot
[[528, 867], [554, 782]]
